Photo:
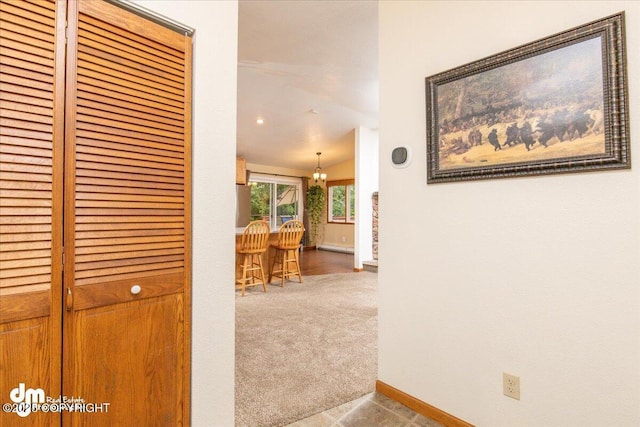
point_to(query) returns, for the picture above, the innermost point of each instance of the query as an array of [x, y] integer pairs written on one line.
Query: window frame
[[279, 180], [346, 184]]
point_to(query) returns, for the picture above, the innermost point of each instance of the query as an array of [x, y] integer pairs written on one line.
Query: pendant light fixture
[[318, 174]]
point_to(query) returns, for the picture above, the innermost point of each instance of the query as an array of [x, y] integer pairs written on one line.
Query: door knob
[[135, 289]]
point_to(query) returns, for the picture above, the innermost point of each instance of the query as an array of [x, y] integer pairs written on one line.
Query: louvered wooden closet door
[[127, 203], [31, 136]]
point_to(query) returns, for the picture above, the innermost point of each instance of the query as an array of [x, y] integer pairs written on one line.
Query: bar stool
[[285, 262], [249, 269]]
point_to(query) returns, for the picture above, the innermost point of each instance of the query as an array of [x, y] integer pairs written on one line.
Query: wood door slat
[[111, 37], [24, 228], [106, 76], [125, 255], [19, 176], [120, 89], [142, 191], [37, 78], [23, 289], [27, 117], [25, 281], [96, 226], [28, 262], [27, 101], [128, 248], [47, 4], [127, 204], [85, 162], [108, 176], [127, 120], [115, 197], [119, 241], [127, 109], [7, 168], [18, 49], [133, 158], [163, 47], [41, 153], [126, 59], [24, 133], [25, 256], [129, 276], [7, 123], [40, 43], [100, 234], [30, 211], [25, 185], [10, 158], [87, 90], [128, 185], [24, 57], [31, 29], [94, 117], [120, 219], [127, 133], [135, 264], [97, 139], [6, 219], [24, 107], [143, 213], [22, 82], [148, 61], [25, 91], [23, 271], [23, 194], [31, 15], [94, 67], [27, 237], [10, 141], [42, 8], [103, 59]]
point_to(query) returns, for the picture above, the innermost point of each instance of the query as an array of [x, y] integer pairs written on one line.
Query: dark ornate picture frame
[[556, 105]]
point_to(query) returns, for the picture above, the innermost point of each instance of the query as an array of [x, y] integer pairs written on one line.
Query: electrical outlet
[[511, 386]]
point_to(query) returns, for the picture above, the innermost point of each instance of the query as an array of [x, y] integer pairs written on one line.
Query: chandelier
[[318, 174]]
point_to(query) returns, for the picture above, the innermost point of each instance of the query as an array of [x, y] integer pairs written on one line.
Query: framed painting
[[552, 106]]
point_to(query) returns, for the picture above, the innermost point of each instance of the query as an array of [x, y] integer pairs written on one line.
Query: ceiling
[[309, 69]]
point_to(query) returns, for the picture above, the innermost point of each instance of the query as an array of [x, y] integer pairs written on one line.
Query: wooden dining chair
[[249, 268], [285, 262]]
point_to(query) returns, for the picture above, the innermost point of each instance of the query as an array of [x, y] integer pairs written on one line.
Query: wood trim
[[340, 182], [419, 406], [85, 297], [358, 270], [188, 225], [25, 306]]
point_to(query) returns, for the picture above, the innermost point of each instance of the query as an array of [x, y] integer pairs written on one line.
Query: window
[[342, 201], [275, 199]]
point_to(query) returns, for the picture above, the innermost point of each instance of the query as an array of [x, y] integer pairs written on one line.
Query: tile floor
[[371, 410]]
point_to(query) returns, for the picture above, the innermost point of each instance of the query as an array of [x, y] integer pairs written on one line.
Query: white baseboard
[[334, 248]]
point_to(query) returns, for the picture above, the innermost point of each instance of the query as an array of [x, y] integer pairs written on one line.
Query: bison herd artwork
[[544, 107]]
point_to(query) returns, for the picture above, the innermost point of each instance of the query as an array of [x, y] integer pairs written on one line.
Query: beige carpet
[[304, 348]]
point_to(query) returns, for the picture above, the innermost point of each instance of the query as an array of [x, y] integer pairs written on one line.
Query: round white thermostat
[[401, 157]]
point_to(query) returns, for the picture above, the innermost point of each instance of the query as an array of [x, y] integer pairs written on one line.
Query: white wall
[[366, 184], [214, 150], [536, 276]]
